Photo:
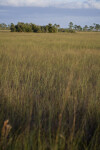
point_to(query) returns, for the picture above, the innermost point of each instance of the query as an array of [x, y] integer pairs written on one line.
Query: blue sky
[[42, 12]]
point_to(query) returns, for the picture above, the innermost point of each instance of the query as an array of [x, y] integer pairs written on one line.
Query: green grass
[[50, 90]]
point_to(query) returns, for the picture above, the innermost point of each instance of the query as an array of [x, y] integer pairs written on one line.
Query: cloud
[[42, 3], [93, 4], [73, 4], [80, 4]]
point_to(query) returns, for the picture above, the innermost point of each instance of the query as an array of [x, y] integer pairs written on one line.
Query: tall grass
[[50, 90]]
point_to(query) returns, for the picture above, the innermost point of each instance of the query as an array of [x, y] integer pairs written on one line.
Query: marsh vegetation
[[50, 91]]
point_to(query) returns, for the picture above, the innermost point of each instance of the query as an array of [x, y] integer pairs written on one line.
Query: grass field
[[50, 91]]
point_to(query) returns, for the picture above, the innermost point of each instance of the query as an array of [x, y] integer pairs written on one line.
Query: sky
[[42, 12]]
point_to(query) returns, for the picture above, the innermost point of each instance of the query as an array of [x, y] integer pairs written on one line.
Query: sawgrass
[[50, 90]]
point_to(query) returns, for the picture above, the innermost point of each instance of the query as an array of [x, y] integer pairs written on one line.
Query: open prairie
[[50, 91]]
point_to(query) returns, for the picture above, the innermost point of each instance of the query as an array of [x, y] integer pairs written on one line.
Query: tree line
[[3, 26], [30, 27], [75, 28], [94, 27]]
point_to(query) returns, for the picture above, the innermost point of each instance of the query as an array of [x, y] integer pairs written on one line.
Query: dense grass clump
[[50, 91]]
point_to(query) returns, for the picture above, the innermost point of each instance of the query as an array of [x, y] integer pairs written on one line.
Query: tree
[[79, 28], [85, 28], [57, 26], [91, 28], [50, 27], [97, 27], [3, 26], [75, 27], [27, 27], [12, 27], [0, 26], [46, 29], [54, 29], [71, 25]]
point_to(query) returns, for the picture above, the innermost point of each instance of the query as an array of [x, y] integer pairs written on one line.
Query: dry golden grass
[[6, 129], [50, 90]]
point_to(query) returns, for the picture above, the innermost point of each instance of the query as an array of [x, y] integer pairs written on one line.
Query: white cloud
[[55, 3], [80, 4], [42, 3]]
